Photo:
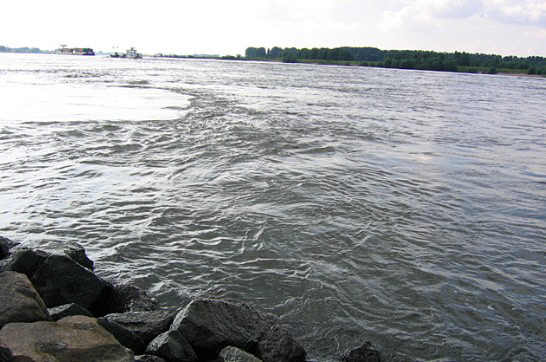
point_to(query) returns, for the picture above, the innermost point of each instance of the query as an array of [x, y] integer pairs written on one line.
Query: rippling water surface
[[402, 207]]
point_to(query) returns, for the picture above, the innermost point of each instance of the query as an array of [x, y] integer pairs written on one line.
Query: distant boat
[[75, 51], [131, 54]]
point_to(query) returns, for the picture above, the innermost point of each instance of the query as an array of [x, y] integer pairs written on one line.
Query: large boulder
[[60, 280], [172, 347], [120, 298], [210, 325], [123, 335], [67, 310], [19, 301], [364, 353], [146, 325], [278, 345], [234, 354], [76, 338]]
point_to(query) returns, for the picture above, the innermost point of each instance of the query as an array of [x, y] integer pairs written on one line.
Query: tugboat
[[131, 54]]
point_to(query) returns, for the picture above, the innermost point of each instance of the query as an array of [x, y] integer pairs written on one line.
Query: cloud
[[524, 12], [423, 14]]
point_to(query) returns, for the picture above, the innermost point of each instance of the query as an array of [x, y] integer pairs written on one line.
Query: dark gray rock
[[60, 280], [19, 301], [278, 345], [210, 325], [172, 347], [76, 338], [26, 261], [120, 298], [5, 246], [67, 310], [148, 358], [124, 336], [74, 251], [146, 325], [5, 354], [364, 353], [234, 354]]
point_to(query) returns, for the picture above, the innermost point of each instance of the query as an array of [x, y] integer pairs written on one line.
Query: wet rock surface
[[123, 335], [60, 280], [172, 347], [234, 354], [210, 325], [67, 310], [75, 338], [146, 325], [19, 301], [278, 345], [364, 353]]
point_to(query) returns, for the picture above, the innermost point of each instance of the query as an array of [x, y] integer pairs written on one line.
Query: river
[[406, 208]]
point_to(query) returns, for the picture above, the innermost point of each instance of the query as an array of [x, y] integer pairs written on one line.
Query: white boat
[[132, 53]]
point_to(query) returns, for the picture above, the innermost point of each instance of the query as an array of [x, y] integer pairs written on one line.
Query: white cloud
[[525, 12]]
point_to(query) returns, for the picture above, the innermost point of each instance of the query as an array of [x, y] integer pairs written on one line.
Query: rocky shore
[[54, 308]]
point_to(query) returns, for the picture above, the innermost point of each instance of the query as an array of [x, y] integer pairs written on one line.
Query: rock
[[19, 301], [172, 347], [5, 354], [120, 298], [124, 336], [234, 354], [76, 338], [148, 358], [26, 261], [67, 310], [74, 251], [146, 325], [364, 353], [60, 280], [278, 345], [5, 246], [210, 325]]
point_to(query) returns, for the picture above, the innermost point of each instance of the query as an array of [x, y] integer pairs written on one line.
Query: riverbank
[[54, 307]]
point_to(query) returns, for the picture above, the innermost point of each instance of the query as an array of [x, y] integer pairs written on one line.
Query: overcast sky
[[229, 26]]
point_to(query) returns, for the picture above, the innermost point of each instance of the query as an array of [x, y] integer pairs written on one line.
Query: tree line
[[404, 59], [5, 49]]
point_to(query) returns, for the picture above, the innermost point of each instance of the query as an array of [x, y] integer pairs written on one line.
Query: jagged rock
[[146, 325], [278, 345], [210, 325], [120, 298], [148, 358], [67, 310], [124, 336], [19, 301], [60, 280], [26, 261], [74, 251], [234, 354], [76, 338], [364, 353], [172, 347]]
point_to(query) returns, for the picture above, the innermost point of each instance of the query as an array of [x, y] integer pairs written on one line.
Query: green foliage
[[492, 70], [405, 59]]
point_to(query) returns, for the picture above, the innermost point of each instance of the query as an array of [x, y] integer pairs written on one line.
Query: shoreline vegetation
[[462, 62]]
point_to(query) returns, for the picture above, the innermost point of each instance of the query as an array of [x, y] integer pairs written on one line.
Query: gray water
[[405, 208]]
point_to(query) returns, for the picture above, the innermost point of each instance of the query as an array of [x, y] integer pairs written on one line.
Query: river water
[[406, 208]]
